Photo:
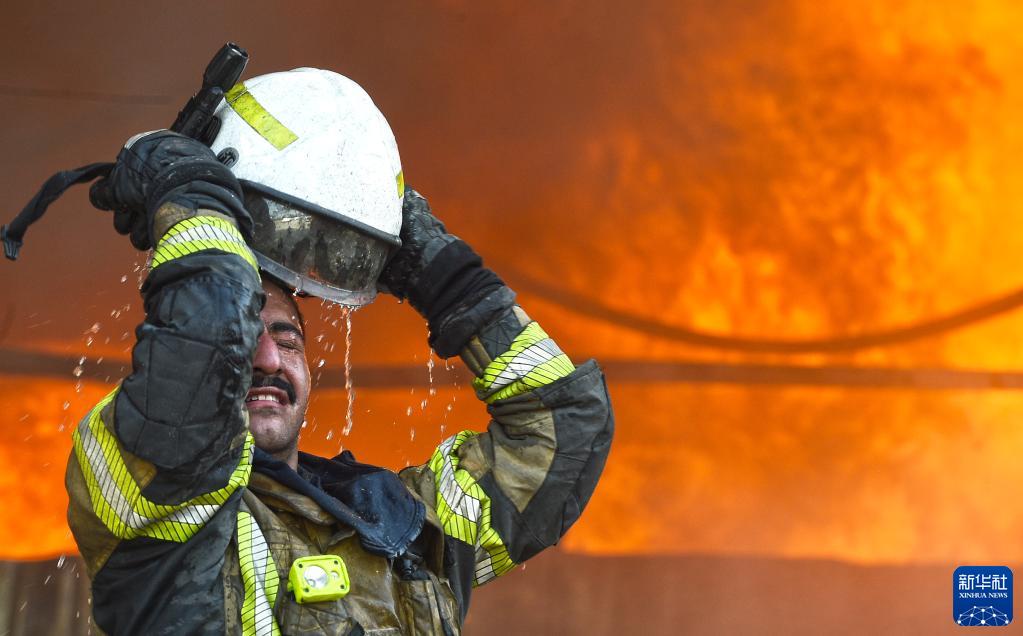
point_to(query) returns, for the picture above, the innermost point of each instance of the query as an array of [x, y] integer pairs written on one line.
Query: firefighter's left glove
[[159, 168], [443, 279]]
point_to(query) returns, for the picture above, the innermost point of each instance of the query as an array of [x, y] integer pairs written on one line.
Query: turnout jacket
[[186, 528]]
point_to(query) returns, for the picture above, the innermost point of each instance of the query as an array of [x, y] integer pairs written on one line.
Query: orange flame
[[800, 170]]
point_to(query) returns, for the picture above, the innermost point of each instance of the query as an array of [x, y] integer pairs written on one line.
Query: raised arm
[[158, 465], [503, 495]]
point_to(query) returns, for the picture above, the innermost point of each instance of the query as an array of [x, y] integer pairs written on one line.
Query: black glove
[[442, 278], [159, 167], [423, 236]]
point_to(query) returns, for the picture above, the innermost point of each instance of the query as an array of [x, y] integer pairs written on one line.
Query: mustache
[[263, 381]]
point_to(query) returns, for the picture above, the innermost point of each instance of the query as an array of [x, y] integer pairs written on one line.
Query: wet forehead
[[280, 306]]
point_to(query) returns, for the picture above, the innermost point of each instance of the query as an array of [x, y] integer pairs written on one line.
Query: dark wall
[[560, 593]]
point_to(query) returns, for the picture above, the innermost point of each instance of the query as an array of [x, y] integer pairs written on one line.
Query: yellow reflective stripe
[[117, 499], [182, 248], [492, 559], [463, 508], [259, 574], [533, 360], [400, 178], [252, 112], [200, 233]]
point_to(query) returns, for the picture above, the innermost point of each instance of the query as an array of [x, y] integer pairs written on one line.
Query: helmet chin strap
[[193, 121], [14, 232]]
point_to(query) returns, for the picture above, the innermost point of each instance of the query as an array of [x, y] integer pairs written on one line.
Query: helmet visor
[[315, 251]]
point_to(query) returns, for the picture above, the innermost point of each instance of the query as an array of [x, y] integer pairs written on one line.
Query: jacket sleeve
[[158, 466], [504, 495]]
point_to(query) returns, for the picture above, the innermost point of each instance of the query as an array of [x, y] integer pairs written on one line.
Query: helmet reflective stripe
[[317, 138], [253, 113]]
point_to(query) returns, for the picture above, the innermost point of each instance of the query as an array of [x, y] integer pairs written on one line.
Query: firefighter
[[194, 511]]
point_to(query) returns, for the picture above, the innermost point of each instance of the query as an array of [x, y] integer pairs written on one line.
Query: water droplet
[[67, 405], [422, 405], [429, 372], [88, 341], [77, 372], [412, 435], [408, 411], [60, 561], [321, 363], [330, 434], [124, 279]]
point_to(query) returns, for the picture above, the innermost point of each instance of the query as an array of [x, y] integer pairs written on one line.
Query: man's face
[[279, 395]]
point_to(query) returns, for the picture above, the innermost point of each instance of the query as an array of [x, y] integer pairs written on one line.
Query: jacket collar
[[369, 499]]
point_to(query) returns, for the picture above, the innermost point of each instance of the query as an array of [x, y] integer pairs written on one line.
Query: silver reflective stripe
[[524, 362], [484, 566], [259, 574], [464, 510], [460, 502], [125, 508]]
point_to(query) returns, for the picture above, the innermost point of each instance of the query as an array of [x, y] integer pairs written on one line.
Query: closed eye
[[287, 335]]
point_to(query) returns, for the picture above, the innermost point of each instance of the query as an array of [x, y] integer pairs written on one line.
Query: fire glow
[[812, 169]]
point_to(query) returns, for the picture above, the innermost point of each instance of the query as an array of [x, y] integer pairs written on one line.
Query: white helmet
[[322, 179]]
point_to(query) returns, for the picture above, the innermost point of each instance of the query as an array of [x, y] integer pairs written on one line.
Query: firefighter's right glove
[[161, 167], [442, 278]]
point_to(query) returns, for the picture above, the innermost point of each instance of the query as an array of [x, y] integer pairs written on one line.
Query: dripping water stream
[[346, 312]]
